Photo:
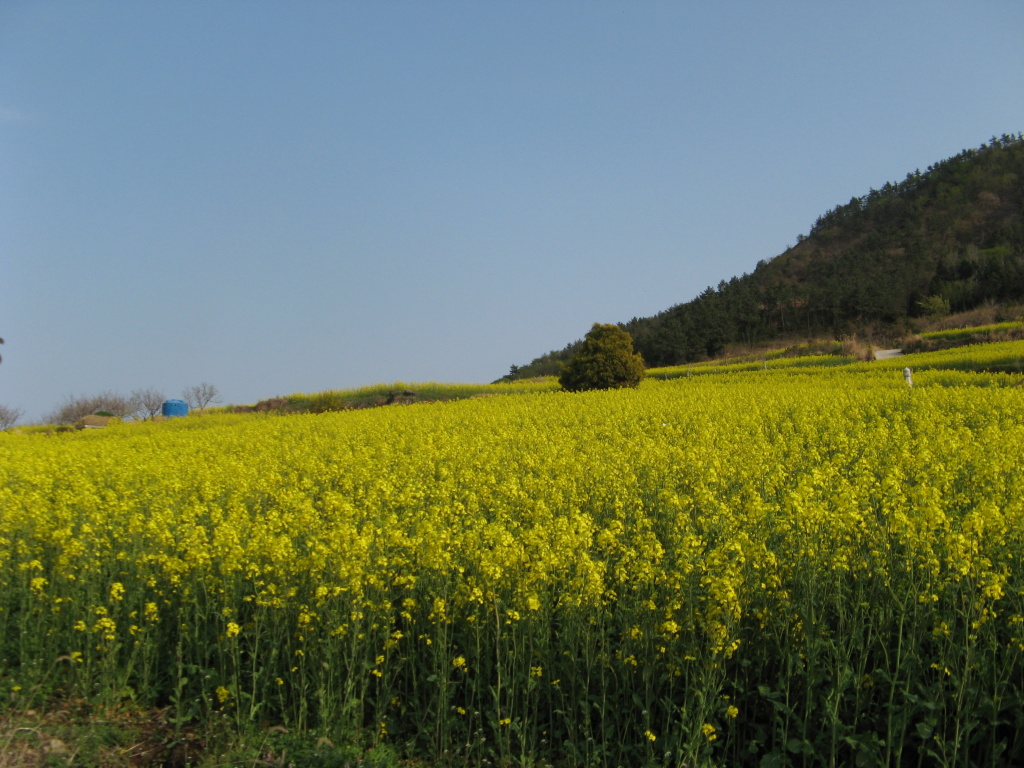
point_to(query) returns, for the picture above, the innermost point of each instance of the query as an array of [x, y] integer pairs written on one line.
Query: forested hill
[[951, 235]]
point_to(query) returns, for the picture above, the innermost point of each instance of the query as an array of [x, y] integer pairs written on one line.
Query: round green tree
[[605, 360]]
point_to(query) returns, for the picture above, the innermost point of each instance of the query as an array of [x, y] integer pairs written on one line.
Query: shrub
[[605, 360], [934, 306]]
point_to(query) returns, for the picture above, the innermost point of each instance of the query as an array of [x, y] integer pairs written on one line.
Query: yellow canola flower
[[670, 522], [106, 627]]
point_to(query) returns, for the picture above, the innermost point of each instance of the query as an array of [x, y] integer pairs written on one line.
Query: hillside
[[952, 235]]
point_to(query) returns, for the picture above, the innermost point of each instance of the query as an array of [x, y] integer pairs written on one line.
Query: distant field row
[[1005, 357], [993, 330]]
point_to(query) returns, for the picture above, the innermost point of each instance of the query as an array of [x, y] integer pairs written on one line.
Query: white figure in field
[[906, 377]]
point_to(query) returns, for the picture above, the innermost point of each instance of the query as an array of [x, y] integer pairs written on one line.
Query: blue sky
[[281, 197]]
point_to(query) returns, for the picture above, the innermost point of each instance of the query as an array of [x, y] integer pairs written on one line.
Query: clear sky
[[281, 197]]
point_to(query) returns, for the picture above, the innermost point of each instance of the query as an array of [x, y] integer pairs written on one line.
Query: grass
[[77, 734], [397, 393], [968, 333]]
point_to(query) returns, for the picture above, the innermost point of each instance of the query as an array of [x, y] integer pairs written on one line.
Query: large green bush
[[605, 360]]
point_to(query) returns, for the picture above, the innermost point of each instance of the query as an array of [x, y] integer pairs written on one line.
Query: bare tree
[[71, 409], [146, 403], [75, 407], [200, 396], [9, 417]]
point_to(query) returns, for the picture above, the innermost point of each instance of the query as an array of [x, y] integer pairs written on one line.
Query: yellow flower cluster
[[521, 553]]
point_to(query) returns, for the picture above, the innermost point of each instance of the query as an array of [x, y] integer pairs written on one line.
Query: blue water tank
[[172, 408]]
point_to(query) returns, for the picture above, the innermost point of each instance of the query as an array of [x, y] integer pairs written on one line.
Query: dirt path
[[884, 354]]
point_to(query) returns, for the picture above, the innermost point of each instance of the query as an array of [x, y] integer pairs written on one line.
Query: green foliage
[[934, 306], [549, 364], [605, 360], [310, 752], [322, 402]]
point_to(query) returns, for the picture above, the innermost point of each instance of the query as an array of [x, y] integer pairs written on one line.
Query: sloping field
[[804, 566]]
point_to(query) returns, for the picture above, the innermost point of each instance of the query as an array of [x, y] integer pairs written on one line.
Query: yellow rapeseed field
[[795, 567]]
